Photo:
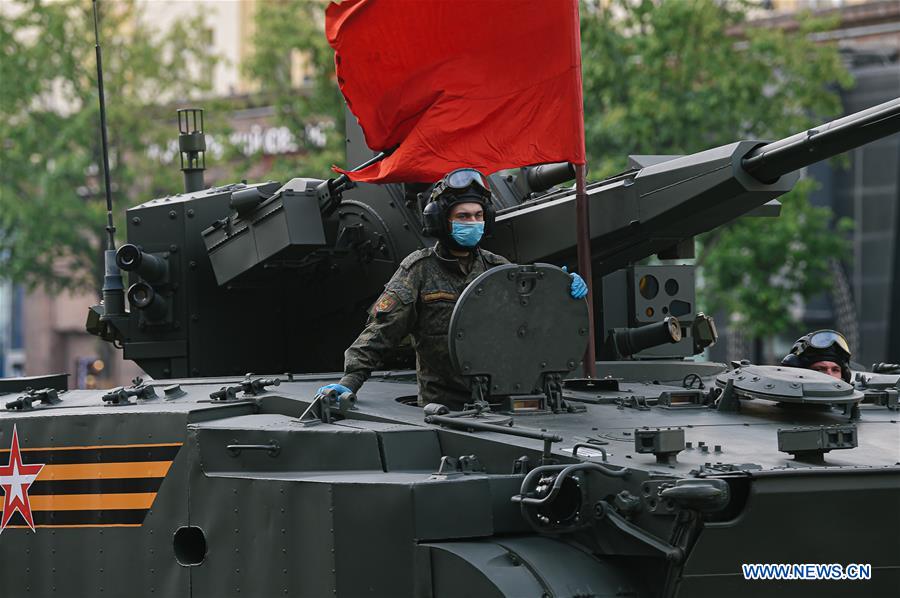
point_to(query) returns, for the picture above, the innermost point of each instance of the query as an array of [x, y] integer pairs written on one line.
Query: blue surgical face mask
[[467, 234]]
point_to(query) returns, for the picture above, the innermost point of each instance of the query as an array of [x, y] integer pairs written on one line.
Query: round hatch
[[788, 385], [514, 324]]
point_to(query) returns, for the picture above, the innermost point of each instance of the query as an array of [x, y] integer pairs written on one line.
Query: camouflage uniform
[[418, 301]]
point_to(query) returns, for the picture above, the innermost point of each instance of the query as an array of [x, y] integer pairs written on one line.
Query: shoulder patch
[[385, 304], [415, 256]]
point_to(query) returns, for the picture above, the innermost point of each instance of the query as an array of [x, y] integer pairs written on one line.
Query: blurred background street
[[660, 77]]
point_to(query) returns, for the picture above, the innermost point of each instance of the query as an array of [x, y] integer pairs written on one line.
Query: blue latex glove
[[578, 289], [339, 388]]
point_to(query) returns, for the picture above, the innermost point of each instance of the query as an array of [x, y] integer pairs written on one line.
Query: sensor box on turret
[[286, 226]]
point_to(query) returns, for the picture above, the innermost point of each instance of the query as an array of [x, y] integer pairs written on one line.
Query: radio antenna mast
[[113, 289]]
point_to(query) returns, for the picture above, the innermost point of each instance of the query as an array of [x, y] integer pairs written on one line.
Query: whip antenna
[[113, 289]]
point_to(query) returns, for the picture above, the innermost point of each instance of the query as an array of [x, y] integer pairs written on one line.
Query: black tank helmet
[[821, 345], [460, 186]]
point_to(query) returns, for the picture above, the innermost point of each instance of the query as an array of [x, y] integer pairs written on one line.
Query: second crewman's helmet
[[821, 345], [460, 186]]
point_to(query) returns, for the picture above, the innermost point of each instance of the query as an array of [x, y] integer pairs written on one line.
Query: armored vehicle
[[663, 476]]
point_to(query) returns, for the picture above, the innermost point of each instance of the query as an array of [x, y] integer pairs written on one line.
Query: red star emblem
[[15, 479]]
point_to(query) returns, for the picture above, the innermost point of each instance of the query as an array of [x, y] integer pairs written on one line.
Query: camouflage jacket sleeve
[[391, 319]]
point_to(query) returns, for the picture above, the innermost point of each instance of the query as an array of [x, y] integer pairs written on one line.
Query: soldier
[[824, 351], [419, 298]]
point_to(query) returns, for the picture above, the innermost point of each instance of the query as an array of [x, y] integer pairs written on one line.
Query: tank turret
[[248, 264]]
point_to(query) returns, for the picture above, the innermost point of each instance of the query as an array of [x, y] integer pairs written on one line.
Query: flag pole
[[582, 210], [583, 236]]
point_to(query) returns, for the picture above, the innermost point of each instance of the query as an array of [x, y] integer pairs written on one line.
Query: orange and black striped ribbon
[[95, 486]]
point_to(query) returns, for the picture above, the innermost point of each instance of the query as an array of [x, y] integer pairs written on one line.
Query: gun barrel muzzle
[[144, 297], [768, 162], [151, 268], [544, 176], [629, 341]]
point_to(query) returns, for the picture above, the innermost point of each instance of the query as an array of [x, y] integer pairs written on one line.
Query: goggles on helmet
[[824, 339], [460, 180], [464, 177]]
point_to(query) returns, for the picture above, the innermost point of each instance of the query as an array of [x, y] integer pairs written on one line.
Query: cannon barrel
[[768, 162], [665, 200]]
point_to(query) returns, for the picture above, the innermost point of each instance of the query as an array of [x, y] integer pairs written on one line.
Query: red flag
[[453, 83]]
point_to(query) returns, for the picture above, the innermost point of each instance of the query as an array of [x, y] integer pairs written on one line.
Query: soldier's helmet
[[821, 345], [460, 186]]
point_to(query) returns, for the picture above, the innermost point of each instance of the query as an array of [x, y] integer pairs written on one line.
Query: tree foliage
[[52, 204], [289, 39], [680, 77], [758, 267], [672, 77]]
